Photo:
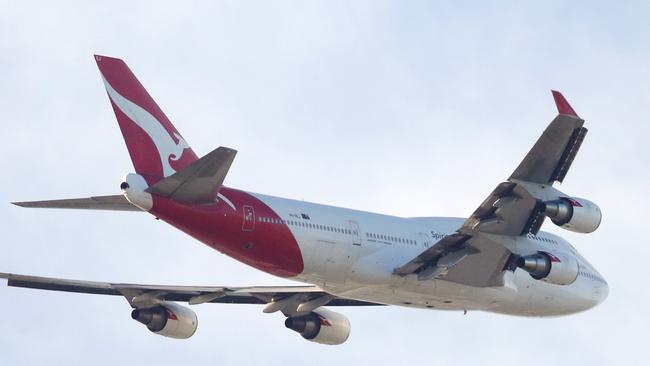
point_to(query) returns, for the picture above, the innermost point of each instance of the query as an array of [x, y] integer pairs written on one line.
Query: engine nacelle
[[169, 320], [321, 326], [556, 269], [574, 214]]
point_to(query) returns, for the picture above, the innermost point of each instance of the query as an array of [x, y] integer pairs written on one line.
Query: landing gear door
[[249, 219], [356, 233]]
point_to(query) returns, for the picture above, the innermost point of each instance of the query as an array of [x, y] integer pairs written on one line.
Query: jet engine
[[321, 326], [169, 320], [575, 214], [556, 269]]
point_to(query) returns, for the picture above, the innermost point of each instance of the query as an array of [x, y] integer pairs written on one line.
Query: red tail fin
[[156, 148]]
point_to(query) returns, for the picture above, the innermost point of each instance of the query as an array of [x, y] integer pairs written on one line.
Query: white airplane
[[496, 260]]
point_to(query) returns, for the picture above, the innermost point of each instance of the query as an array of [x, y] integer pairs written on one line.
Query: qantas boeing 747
[[495, 260]]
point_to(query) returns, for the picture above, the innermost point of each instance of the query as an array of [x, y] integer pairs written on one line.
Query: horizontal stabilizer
[[200, 181], [109, 203]]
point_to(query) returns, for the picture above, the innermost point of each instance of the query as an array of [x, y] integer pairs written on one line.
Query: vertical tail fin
[[155, 146]]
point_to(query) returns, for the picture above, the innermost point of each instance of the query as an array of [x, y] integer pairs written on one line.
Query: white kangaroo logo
[[166, 146]]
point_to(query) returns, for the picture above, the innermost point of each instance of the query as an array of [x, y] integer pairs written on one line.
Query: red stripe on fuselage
[[270, 247]]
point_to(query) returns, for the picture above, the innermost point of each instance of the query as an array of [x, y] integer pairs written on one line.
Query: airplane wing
[[474, 254], [288, 299]]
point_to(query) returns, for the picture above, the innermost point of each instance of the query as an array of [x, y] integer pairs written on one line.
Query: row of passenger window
[[270, 220], [308, 225], [592, 276], [395, 239], [332, 229]]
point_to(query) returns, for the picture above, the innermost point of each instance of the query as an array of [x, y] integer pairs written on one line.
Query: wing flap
[[506, 211], [484, 269], [430, 256]]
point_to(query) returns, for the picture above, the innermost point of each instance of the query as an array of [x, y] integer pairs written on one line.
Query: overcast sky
[[405, 108]]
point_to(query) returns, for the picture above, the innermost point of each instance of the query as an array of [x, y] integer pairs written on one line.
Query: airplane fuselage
[[353, 254]]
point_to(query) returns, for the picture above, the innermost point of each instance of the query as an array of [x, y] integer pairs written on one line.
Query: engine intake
[[321, 326], [556, 269], [169, 320], [575, 214]]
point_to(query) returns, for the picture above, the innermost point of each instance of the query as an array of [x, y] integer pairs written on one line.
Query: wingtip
[[100, 58], [563, 107]]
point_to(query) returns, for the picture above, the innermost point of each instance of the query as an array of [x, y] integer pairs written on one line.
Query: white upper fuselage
[[353, 254]]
